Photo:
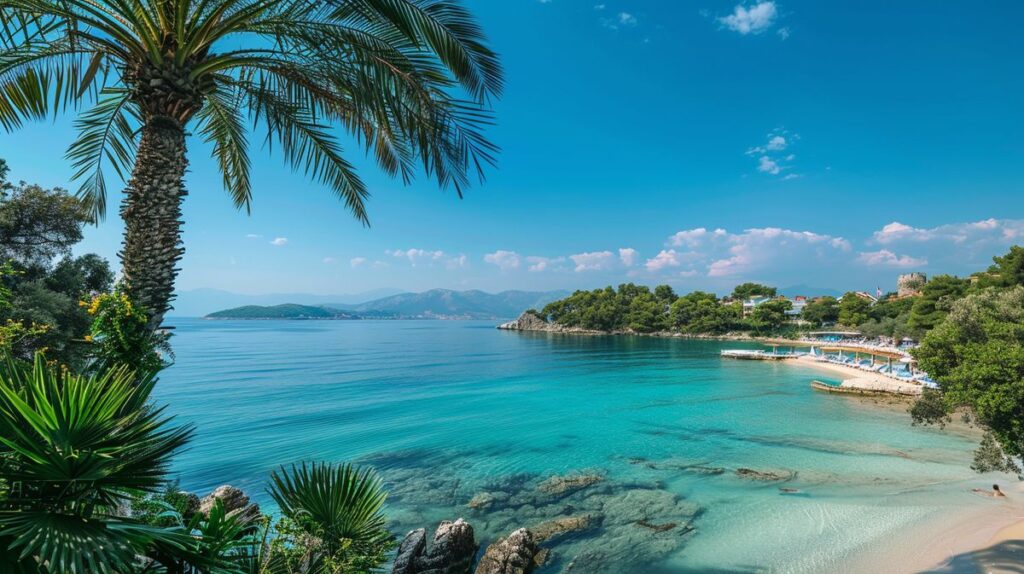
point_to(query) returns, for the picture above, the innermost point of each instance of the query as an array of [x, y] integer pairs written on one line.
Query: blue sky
[[698, 143]]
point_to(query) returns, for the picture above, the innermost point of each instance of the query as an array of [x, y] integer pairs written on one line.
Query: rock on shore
[[451, 553], [517, 554]]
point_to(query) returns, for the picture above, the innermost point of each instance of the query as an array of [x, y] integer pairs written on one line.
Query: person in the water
[[994, 493]]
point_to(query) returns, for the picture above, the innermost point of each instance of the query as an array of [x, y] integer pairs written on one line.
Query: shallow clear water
[[448, 410]]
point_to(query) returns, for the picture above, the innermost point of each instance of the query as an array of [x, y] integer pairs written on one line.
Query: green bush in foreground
[[73, 449]]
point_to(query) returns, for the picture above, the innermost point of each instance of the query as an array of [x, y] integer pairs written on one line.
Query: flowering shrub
[[120, 334]]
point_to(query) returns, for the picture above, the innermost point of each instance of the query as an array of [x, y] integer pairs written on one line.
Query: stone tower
[[910, 283]]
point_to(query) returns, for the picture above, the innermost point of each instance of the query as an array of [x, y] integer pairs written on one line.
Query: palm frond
[[106, 133], [338, 502], [222, 123], [74, 448], [307, 145]]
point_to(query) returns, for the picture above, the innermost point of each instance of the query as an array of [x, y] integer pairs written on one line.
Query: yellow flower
[[88, 338]]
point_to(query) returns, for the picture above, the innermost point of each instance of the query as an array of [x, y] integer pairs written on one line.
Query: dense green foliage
[[635, 308], [933, 304], [977, 355], [821, 311], [284, 311], [73, 449], [770, 315], [853, 309], [700, 312], [745, 291], [44, 282]]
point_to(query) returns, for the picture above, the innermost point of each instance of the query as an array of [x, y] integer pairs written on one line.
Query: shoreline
[[863, 381], [985, 538]]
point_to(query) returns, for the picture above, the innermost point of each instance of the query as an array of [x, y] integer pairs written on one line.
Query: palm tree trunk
[[152, 216]]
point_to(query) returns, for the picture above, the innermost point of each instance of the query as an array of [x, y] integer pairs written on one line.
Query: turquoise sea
[[452, 410]]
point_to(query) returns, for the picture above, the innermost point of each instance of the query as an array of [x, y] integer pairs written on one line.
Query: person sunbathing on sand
[[994, 493]]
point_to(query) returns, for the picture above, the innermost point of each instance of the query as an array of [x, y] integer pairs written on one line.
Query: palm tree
[[409, 80]]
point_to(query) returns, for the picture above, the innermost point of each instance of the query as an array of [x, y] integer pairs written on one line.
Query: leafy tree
[[770, 315], [891, 307], [665, 294], [935, 300], [409, 79], [976, 354], [1007, 271], [821, 310], [700, 312], [853, 309], [747, 290], [38, 228], [646, 314]]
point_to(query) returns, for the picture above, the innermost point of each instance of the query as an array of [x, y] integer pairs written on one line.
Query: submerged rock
[[234, 501], [656, 527], [559, 526], [562, 485], [764, 475], [516, 554], [452, 551], [485, 500]]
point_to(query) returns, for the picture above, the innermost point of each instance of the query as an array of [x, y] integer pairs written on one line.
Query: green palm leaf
[[334, 502], [73, 449]]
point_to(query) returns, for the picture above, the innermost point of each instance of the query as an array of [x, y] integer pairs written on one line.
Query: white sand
[[863, 380], [986, 539]]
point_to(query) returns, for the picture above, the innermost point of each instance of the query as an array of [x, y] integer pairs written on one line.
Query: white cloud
[[991, 231], [627, 19], [505, 260], [329, 261], [538, 264], [253, 236], [357, 262], [770, 157], [664, 259], [752, 20], [720, 253], [784, 33], [279, 241], [693, 237], [887, 258], [766, 164], [428, 257], [628, 256], [599, 6], [593, 261]]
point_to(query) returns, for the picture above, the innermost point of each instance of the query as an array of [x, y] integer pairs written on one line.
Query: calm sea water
[[447, 411]]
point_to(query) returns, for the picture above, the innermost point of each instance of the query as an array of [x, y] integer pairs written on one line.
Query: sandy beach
[[858, 379], [987, 539]]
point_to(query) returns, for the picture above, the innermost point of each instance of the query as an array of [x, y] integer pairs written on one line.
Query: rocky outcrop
[[452, 551], [234, 501], [529, 322], [517, 554]]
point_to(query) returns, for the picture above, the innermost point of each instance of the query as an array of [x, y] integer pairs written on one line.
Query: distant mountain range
[[433, 304], [199, 302]]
